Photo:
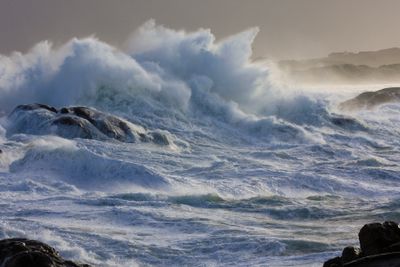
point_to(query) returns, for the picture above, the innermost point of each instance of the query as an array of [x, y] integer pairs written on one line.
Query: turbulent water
[[257, 174]]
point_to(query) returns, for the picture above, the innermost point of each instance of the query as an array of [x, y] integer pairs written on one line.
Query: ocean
[[256, 173]]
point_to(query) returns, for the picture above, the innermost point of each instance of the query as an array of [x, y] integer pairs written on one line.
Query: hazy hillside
[[363, 67]]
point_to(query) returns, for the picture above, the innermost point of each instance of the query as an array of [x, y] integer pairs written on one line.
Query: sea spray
[[259, 175]]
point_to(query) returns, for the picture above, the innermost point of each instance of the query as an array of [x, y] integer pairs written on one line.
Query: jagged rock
[[372, 99], [21, 252], [111, 126], [79, 122], [380, 247], [379, 260], [350, 254], [347, 123], [73, 127], [335, 262], [37, 106], [375, 238], [159, 138]]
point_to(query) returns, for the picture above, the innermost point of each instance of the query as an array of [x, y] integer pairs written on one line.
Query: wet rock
[[111, 126], [159, 138], [372, 99], [380, 247], [79, 122], [394, 248], [350, 254], [73, 127], [37, 106], [347, 123], [379, 260], [335, 262], [21, 252], [375, 238]]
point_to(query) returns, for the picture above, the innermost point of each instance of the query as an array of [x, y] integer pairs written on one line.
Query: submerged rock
[[79, 122], [21, 252], [347, 123], [380, 247], [372, 99]]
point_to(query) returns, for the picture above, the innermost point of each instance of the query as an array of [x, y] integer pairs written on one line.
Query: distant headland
[[381, 66]]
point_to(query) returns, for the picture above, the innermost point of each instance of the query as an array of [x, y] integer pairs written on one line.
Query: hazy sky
[[288, 28]]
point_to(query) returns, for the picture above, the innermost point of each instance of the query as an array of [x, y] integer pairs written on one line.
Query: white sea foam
[[164, 67], [257, 173]]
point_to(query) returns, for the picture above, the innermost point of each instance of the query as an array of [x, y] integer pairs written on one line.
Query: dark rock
[[66, 120], [376, 237], [380, 247], [159, 138], [372, 99], [394, 248], [37, 106], [335, 262], [342, 121], [350, 254], [21, 252], [144, 137], [379, 260], [114, 128], [347, 123], [64, 110], [111, 126], [73, 127], [83, 112], [79, 122]]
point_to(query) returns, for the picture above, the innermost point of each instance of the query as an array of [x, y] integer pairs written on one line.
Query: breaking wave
[[163, 73], [249, 172]]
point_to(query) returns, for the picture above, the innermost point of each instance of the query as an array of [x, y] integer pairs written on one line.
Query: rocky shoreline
[[21, 252], [79, 122], [369, 100], [379, 247]]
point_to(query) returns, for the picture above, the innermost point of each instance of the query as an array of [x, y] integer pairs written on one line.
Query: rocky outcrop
[[79, 122], [21, 252], [379, 247], [372, 99]]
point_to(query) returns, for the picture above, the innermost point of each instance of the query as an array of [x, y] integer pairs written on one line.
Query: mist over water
[[256, 173]]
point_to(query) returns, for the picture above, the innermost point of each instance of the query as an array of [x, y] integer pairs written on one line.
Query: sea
[[257, 172]]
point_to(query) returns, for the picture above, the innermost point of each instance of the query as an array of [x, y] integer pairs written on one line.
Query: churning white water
[[256, 174]]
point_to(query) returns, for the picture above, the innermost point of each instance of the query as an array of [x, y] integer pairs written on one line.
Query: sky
[[288, 28]]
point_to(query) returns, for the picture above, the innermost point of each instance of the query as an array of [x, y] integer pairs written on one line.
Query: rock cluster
[[379, 247], [21, 252], [79, 122]]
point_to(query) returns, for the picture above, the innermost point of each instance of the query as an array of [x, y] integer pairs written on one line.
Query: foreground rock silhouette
[[372, 99], [21, 252], [79, 122], [379, 247]]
